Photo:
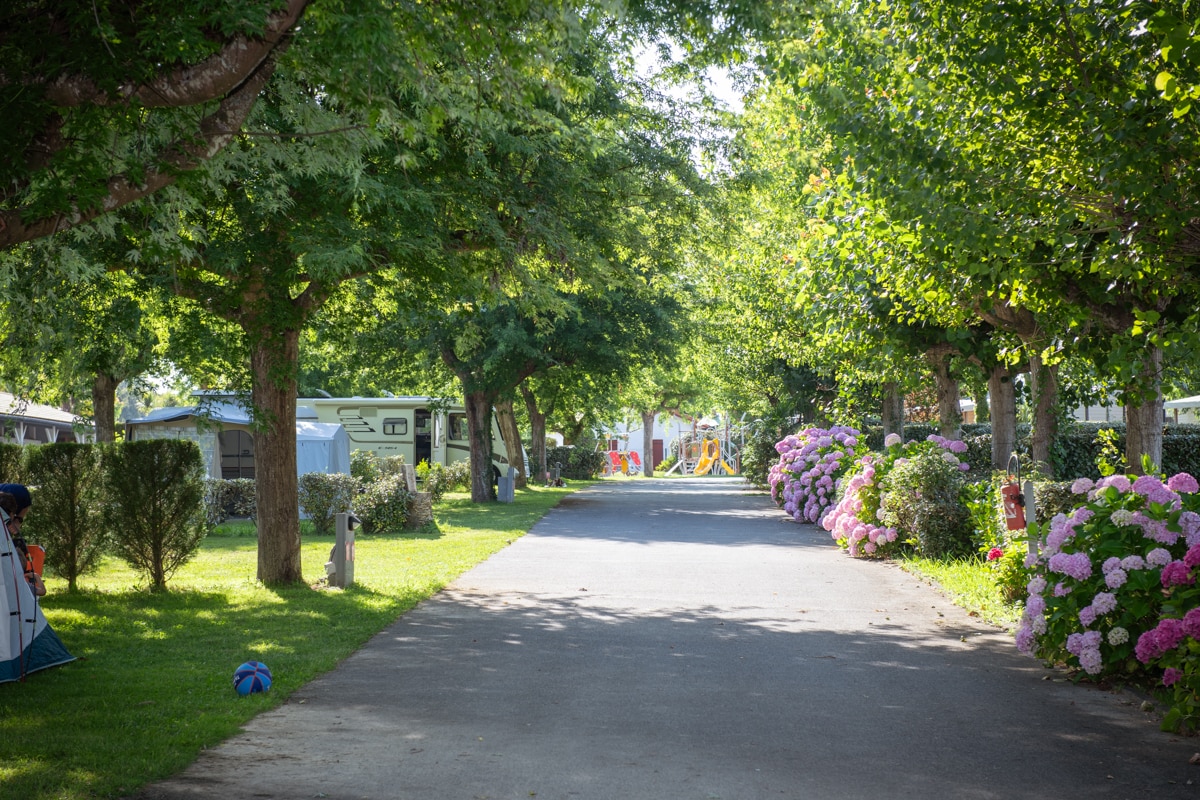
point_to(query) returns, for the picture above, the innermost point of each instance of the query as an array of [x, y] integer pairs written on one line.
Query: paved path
[[666, 639]]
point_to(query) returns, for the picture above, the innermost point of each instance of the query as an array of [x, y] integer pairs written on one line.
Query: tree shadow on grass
[[153, 683]]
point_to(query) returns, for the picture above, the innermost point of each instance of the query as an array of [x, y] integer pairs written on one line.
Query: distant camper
[[406, 426]]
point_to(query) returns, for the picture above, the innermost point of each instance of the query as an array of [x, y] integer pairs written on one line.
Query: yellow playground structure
[[703, 456]]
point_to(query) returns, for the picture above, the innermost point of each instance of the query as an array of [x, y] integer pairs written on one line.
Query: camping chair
[[635, 462]]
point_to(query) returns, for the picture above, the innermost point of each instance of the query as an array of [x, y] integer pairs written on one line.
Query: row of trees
[[486, 199], [275, 197], [955, 194]]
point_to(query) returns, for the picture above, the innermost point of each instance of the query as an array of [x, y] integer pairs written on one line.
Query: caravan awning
[[1185, 402]]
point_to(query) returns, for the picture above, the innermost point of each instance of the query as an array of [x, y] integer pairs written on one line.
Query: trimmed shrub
[[366, 465], [383, 506], [759, 454], [68, 520], [1052, 498], [577, 463], [228, 498], [978, 455], [245, 502], [12, 463], [216, 498], [154, 504], [920, 498], [390, 465], [437, 479], [323, 496], [1181, 449], [857, 522]]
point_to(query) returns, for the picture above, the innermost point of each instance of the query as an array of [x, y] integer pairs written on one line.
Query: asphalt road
[[667, 639]]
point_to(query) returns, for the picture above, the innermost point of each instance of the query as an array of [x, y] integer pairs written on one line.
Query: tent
[[321, 447], [30, 643]]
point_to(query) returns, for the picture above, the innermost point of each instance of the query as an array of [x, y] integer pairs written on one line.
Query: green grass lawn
[[968, 583], [153, 683]]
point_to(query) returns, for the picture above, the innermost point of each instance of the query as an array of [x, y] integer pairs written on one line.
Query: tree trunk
[[648, 443], [104, 407], [1144, 421], [893, 409], [507, 421], [948, 395], [479, 431], [1043, 378], [273, 360], [1002, 403], [537, 432], [982, 412]]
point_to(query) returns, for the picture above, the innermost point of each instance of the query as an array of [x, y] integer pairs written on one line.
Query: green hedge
[[1077, 449], [577, 463], [1074, 453], [12, 463], [325, 495]]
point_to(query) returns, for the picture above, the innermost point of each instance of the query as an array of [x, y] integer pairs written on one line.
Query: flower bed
[[863, 522], [804, 480], [1114, 588]]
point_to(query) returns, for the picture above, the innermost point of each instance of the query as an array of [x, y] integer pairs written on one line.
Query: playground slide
[[710, 454], [710, 459]]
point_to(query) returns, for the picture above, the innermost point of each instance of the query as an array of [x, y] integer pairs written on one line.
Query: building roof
[[13, 406], [1184, 402], [235, 414]]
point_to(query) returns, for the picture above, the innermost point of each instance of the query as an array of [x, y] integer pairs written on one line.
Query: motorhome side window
[[458, 427], [395, 426]]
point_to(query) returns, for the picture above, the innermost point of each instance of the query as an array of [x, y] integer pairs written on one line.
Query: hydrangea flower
[[1104, 602], [1129, 563], [1082, 486], [1183, 482], [1176, 573], [1158, 557], [804, 479], [1122, 516]]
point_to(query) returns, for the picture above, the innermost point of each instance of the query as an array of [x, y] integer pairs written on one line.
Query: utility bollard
[[342, 557], [506, 486]]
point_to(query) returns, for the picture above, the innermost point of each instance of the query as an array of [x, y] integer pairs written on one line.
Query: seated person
[[15, 502]]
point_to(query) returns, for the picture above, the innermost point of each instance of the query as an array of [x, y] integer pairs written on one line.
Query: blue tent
[[30, 643]]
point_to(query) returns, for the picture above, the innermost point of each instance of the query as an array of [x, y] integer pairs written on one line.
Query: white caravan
[[413, 427]]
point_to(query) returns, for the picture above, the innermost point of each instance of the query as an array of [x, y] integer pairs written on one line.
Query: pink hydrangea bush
[[804, 481], [1107, 573], [856, 522]]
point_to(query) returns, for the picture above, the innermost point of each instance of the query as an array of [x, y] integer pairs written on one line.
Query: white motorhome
[[418, 428]]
